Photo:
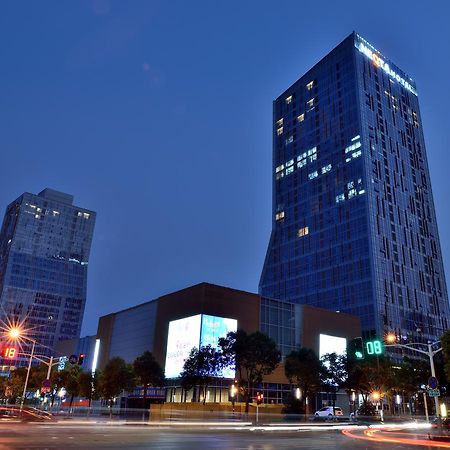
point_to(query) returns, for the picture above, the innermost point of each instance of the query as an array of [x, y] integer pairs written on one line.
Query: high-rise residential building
[[354, 226], [44, 253]]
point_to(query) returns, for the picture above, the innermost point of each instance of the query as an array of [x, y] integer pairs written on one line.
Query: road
[[106, 436]]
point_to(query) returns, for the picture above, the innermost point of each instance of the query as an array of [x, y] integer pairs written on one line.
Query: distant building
[[83, 348], [44, 253], [353, 220], [171, 325]]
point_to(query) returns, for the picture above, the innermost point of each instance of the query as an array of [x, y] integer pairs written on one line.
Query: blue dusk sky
[[158, 115]]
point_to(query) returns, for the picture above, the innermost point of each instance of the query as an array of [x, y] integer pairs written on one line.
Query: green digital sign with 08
[[374, 347]]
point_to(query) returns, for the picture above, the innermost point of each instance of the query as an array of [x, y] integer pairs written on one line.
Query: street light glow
[[391, 338], [15, 333], [376, 395]]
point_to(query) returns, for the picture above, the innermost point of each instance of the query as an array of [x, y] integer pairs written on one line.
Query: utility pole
[[28, 375], [430, 353]]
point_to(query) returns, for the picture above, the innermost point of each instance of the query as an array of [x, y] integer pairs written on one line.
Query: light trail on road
[[391, 436]]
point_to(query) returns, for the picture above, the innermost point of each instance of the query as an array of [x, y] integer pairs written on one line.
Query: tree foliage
[[410, 375], [304, 368], [148, 372], [376, 374], [200, 368], [70, 380], [335, 369], [115, 377], [251, 355]]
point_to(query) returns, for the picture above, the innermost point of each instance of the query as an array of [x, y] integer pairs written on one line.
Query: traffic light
[[374, 347], [81, 359], [356, 349], [259, 398], [9, 352]]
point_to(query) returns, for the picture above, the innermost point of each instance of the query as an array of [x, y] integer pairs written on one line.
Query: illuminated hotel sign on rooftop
[[375, 56]]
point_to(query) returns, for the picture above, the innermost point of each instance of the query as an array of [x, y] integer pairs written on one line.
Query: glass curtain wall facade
[[45, 243], [354, 226]]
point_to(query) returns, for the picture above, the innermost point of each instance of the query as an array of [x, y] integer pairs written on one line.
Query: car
[[327, 412]]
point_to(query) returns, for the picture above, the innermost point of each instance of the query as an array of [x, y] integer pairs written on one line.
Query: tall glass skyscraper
[[354, 226], [44, 253]]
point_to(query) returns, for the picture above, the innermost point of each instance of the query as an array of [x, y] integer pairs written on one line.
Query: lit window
[[340, 198], [302, 231], [351, 193], [280, 122], [279, 216], [310, 104], [289, 99], [279, 131], [83, 214], [279, 175], [356, 138], [289, 170], [310, 85], [301, 118], [313, 175], [308, 156], [352, 147], [33, 206], [56, 213], [290, 163], [36, 216], [289, 140], [279, 168], [38, 209], [326, 168]]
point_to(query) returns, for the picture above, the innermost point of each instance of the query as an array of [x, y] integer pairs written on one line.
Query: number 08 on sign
[[374, 347]]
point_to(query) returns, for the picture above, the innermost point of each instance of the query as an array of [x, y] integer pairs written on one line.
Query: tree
[[200, 368], [251, 355], [148, 373], [69, 380], [335, 373], [115, 377], [371, 375], [88, 385], [304, 368], [13, 386]]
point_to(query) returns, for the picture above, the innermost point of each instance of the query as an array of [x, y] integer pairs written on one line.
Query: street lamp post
[[430, 353], [16, 333], [28, 374]]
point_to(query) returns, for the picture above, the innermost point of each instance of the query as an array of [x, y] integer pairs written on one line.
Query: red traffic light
[[80, 359], [259, 398]]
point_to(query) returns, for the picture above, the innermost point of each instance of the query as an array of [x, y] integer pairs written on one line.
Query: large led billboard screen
[[189, 332], [213, 328], [184, 334], [332, 344]]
